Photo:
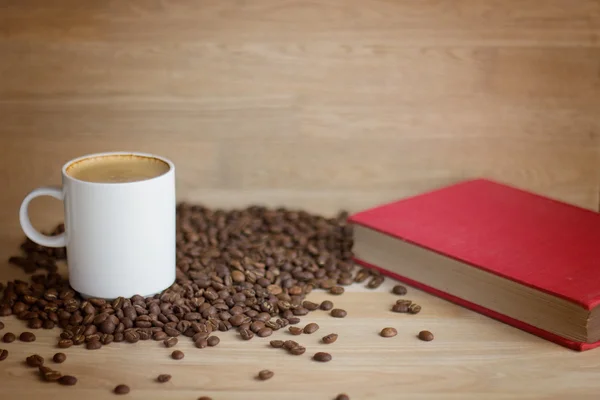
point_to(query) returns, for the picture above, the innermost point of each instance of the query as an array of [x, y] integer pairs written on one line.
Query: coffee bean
[[213, 341], [328, 339], [309, 305], [59, 358], [399, 290], [362, 275], [326, 305], [426, 336], [300, 311], [414, 308], [400, 308], [177, 355], [204, 398], [202, 343], [3, 354], [246, 334], [276, 343], [27, 337], [65, 343], [170, 342], [342, 396], [311, 328], [49, 374], [295, 330], [322, 357], [290, 344], [375, 282], [162, 378], [67, 380], [336, 290], [257, 326], [264, 332], [1, 325], [131, 336], [338, 313], [9, 337], [5, 311], [297, 351], [121, 389], [265, 374], [93, 345], [293, 320], [35, 360], [388, 332]]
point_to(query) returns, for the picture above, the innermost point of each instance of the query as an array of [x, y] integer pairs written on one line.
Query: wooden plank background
[[318, 104]]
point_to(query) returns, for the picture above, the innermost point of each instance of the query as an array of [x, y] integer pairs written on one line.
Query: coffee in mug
[[119, 223]]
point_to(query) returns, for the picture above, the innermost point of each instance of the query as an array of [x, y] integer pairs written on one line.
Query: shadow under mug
[[119, 237]]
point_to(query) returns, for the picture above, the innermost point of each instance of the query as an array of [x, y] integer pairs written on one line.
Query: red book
[[523, 259]]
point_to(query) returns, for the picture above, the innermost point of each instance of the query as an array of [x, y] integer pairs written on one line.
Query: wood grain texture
[[321, 105]]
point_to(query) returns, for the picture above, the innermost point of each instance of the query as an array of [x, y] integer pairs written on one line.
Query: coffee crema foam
[[117, 169]]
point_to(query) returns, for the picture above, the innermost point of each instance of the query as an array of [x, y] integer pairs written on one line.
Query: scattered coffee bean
[[170, 342], [426, 336], [177, 355], [298, 350], [326, 305], [328, 339], [322, 357], [399, 290], [294, 330], [276, 343], [362, 275], [388, 332], [375, 282], [3, 354], [67, 380], [27, 337], [49, 374], [265, 374], [342, 396], [159, 335], [93, 345], [311, 328], [162, 378], [309, 305], [35, 360], [204, 398], [338, 313], [414, 308], [201, 344], [264, 332], [121, 389], [213, 341], [336, 290], [293, 320], [65, 343], [246, 334], [290, 344], [59, 358], [400, 308], [1, 325], [9, 337]]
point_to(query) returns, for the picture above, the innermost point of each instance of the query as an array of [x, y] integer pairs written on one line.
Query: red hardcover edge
[[573, 345]]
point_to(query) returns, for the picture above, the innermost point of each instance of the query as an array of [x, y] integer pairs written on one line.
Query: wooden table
[[472, 357]]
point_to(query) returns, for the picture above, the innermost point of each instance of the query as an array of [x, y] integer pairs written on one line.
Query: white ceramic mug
[[119, 237]]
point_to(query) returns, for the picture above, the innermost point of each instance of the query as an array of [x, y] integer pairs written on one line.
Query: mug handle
[[39, 238]]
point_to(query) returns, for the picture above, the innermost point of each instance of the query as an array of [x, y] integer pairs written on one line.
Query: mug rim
[[117, 153]]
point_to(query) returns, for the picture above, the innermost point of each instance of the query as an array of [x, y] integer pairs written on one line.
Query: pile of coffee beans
[[247, 269]]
